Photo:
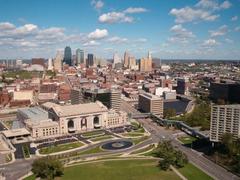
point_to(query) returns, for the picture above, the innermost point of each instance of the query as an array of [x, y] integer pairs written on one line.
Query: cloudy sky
[[189, 29]]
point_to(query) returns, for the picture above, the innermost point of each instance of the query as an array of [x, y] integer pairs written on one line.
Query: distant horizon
[[154, 58]]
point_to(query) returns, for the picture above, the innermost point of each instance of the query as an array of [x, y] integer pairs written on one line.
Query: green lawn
[[97, 149], [59, 148], [192, 172], [187, 139], [139, 169], [139, 140], [26, 152], [118, 170], [132, 134], [143, 149], [92, 133], [32, 177], [100, 138]]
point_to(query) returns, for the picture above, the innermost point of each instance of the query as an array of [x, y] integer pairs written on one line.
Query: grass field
[[143, 149], [100, 138], [92, 133], [59, 148], [132, 134], [118, 170], [139, 169], [139, 140], [192, 172], [187, 139], [92, 151]]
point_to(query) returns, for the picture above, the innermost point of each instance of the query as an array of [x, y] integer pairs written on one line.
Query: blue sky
[[189, 29]]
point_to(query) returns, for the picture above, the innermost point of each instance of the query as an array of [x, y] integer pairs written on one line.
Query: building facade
[[79, 57], [224, 119], [90, 60], [58, 62], [67, 56], [150, 103]]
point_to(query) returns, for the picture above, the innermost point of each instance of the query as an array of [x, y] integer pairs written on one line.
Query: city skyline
[[196, 29]]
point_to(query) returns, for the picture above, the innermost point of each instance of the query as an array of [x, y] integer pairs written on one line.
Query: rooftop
[[150, 96], [34, 113], [78, 109]]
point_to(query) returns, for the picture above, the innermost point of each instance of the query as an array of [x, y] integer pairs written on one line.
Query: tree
[[164, 164], [47, 168], [181, 159], [170, 156], [170, 112]]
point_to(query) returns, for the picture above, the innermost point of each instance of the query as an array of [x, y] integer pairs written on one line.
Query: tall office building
[[50, 64], [110, 98], [182, 86], [68, 56], [150, 103], [126, 59], [146, 64], [79, 56], [116, 59], [132, 63], [76, 96], [90, 60], [224, 119], [225, 90], [58, 62]]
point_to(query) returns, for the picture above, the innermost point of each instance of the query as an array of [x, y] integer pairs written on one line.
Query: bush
[[47, 168]]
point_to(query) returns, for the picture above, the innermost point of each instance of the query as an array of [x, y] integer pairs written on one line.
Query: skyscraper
[[67, 56], [126, 60], [79, 56], [132, 63], [90, 60], [116, 59], [146, 63], [58, 62], [50, 66]]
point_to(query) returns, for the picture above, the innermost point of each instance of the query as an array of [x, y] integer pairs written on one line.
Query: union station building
[[52, 119]]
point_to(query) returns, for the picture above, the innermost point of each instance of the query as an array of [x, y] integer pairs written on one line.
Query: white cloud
[[6, 26], [180, 31], [180, 34], [91, 43], [120, 17], [141, 40], [225, 5], [97, 4], [204, 10], [237, 28], [221, 31], [117, 40], [132, 10], [210, 43], [229, 40], [98, 34], [188, 14], [115, 17], [234, 18], [213, 4]]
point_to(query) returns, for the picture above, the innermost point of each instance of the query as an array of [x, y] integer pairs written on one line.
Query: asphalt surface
[[212, 169]]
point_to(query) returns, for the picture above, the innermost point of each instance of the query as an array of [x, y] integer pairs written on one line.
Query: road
[[125, 106], [214, 170]]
